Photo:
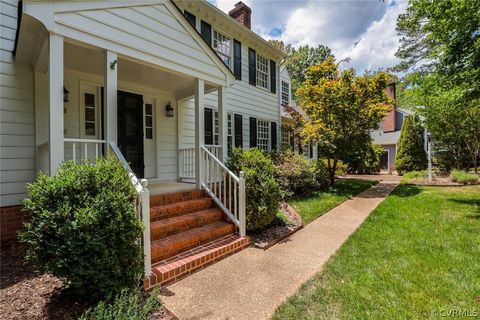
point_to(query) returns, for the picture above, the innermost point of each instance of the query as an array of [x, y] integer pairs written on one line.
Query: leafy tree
[[342, 109], [411, 154], [442, 37], [298, 60], [365, 159]]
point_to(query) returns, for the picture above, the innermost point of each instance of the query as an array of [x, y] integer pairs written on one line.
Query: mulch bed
[[436, 181], [278, 230], [26, 293]]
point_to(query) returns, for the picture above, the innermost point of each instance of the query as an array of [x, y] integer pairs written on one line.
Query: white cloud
[[339, 24]]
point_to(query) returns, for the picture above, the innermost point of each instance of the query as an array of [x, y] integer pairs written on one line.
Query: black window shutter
[[191, 18], [238, 131], [273, 135], [208, 125], [206, 32], [273, 76], [237, 59], [311, 150], [252, 67], [253, 132]]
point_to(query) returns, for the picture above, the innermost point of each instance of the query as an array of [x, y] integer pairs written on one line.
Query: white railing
[[186, 163], [143, 206], [214, 149], [226, 189], [83, 149]]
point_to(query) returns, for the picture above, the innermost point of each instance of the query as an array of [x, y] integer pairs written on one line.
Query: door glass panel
[[89, 128]]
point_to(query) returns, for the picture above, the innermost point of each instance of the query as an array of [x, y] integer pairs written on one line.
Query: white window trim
[[231, 135], [268, 127], [288, 92], [231, 44], [91, 89], [268, 72]]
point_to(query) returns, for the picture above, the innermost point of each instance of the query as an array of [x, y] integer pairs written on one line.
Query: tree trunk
[[331, 172]]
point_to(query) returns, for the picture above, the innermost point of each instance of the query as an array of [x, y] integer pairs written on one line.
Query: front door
[[130, 130]]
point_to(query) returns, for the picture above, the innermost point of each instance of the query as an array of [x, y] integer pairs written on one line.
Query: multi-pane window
[[285, 93], [90, 117], [216, 129], [262, 71], [148, 121], [222, 45], [285, 138], [263, 135], [229, 132]]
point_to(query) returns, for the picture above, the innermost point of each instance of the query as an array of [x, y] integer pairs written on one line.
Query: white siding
[[17, 129]]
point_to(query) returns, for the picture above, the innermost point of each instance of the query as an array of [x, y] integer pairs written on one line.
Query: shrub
[[464, 177], [263, 192], [411, 154], [321, 174], [132, 305], [295, 174], [365, 160], [412, 176], [82, 227]]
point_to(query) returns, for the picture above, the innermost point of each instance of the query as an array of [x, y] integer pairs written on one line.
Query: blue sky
[[363, 30]]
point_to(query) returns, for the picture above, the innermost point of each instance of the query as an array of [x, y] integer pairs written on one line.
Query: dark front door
[[384, 160], [130, 130]]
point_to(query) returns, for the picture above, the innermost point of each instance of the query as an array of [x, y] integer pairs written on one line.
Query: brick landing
[[11, 221]]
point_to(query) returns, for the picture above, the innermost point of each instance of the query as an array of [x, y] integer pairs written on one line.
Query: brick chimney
[[389, 122], [242, 13]]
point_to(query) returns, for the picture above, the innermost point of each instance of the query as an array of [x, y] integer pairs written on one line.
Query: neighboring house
[[288, 139], [388, 132], [169, 87]]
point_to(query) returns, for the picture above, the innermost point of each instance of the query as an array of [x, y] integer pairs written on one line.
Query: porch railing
[[186, 161], [226, 189], [83, 149]]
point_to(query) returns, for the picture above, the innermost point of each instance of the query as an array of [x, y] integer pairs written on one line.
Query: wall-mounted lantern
[[169, 110], [65, 94]]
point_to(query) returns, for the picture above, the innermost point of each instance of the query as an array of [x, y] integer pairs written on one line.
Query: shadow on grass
[[406, 190], [472, 202]]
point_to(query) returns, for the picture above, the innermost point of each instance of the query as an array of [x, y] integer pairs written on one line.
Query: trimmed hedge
[[411, 154], [82, 227], [464, 177]]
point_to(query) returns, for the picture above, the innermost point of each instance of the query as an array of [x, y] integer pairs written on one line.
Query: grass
[[320, 202], [413, 176], [464, 177], [415, 257]]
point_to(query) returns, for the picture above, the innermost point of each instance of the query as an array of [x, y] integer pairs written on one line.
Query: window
[[229, 132], [263, 135], [262, 72], [285, 137], [216, 129], [90, 114], [148, 121], [285, 93], [223, 47]]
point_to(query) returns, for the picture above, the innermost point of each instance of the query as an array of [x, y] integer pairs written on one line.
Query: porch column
[[110, 97], [55, 100], [222, 122], [199, 130]]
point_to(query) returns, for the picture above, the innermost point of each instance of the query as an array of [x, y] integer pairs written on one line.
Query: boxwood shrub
[[262, 190], [82, 227]]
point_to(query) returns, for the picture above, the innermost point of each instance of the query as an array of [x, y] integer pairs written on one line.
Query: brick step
[[174, 197], [179, 208], [171, 226], [167, 247], [183, 264]]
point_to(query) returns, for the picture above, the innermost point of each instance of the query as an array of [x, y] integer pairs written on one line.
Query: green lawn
[[321, 202], [417, 256]]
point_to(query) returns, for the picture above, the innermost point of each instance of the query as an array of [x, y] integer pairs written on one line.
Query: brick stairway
[[188, 232]]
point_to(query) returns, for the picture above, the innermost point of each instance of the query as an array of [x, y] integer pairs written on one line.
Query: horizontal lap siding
[[153, 30], [17, 128]]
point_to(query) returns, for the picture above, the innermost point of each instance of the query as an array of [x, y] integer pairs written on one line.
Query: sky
[[362, 30]]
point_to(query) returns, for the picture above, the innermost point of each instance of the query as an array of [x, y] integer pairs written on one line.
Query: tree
[[342, 109], [442, 37], [298, 60], [411, 154]]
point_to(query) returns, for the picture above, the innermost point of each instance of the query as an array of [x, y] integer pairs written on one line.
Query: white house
[[166, 86]]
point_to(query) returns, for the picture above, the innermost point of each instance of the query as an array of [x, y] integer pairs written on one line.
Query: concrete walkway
[[252, 283]]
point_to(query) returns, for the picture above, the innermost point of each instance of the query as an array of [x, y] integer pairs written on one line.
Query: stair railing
[[142, 206], [225, 188]]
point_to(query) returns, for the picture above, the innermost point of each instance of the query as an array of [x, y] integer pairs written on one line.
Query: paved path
[[377, 177], [253, 282]]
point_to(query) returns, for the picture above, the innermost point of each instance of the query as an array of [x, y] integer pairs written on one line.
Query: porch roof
[[152, 32]]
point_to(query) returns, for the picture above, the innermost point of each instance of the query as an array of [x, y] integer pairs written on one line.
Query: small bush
[[411, 154], [295, 174], [262, 190], [321, 174], [464, 177], [365, 160], [82, 227], [413, 176], [132, 305]]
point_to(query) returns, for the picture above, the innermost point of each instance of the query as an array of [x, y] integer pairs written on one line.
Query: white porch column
[[55, 100], [199, 130], [110, 97], [222, 122]]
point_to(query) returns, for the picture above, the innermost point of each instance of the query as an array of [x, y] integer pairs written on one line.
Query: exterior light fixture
[[65, 94], [169, 110]]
